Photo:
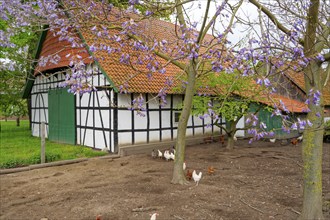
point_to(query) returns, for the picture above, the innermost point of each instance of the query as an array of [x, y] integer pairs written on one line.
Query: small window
[[177, 116]]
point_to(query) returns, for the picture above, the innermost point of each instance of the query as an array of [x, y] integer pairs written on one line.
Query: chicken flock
[[191, 174], [294, 141]]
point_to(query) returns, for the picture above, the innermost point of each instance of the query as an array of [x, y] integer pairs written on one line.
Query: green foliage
[[15, 62], [18, 148], [230, 98], [160, 9], [327, 124]]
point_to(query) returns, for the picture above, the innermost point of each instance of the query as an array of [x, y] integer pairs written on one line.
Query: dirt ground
[[258, 181]]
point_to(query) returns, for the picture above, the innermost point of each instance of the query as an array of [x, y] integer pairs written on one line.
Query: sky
[[247, 11]]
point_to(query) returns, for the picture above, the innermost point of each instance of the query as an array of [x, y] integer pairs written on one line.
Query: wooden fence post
[[43, 142]]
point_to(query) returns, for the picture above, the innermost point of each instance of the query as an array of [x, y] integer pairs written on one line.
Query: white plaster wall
[[102, 101], [84, 100], [124, 119], [240, 124], [78, 136], [166, 119], [166, 135], [97, 116], [41, 100], [153, 136], [154, 121], [140, 137], [124, 138], [89, 137], [140, 122]]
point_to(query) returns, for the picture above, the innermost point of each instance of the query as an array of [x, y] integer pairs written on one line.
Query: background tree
[[229, 98], [15, 61]]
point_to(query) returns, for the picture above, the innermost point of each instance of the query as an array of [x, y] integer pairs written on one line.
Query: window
[[177, 117]]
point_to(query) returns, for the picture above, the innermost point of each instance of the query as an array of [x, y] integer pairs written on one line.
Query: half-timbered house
[[102, 119]]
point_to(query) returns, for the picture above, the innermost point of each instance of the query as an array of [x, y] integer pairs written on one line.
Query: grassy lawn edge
[[18, 148]]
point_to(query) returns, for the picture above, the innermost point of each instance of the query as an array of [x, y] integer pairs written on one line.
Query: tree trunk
[[313, 143], [178, 174], [231, 132], [312, 157], [17, 122], [230, 142]]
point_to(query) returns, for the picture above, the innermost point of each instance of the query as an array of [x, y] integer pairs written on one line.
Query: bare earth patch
[[258, 181]]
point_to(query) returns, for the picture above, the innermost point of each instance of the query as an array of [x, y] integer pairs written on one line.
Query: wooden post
[[43, 142]]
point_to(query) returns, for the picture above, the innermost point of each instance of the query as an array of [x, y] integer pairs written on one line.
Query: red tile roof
[[299, 79], [138, 82], [52, 46]]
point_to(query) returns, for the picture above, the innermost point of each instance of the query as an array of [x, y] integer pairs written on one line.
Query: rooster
[[196, 177], [210, 170], [153, 216], [189, 175]]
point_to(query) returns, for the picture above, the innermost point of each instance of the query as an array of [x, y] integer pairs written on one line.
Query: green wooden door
[[61, 113]]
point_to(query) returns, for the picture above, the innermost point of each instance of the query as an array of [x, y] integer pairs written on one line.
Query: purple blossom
[[267, 82], [133, 2], [320, 57], [286, 129], [294, 126], [148, 13]]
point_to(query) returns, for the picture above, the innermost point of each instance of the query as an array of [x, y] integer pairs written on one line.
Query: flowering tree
[[307, 24], [294, 33]]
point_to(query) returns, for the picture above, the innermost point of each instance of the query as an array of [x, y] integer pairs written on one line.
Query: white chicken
[[196, 177], [272, 140], [153, 216], [184, 166], [173, 150], [235, 138], [172, 156], [160, 154], [167, 155], [300, 138]]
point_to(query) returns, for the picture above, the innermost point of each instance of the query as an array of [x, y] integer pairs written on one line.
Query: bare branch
[[273, 18]]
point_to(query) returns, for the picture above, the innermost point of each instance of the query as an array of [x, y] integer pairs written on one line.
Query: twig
[[251, 206], [224, 204], [144, 209], [295, 211], [178, 217], [241, 181]]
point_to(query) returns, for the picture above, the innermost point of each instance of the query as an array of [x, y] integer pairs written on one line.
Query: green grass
[[18, 147]]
